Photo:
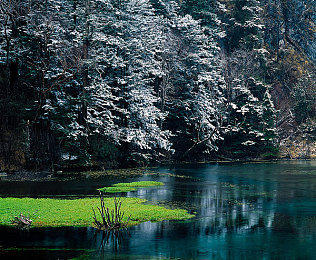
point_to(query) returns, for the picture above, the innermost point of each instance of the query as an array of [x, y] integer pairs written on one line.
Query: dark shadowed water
[[243, 211]]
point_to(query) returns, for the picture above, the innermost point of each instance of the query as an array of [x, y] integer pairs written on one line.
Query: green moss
[[139, 184], [130, 186], [78, 212], [117, 189]]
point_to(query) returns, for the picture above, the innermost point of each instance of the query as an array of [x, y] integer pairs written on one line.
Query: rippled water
[[243, 211]]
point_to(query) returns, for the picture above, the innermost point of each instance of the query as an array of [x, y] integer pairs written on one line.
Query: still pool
[[243, 211]]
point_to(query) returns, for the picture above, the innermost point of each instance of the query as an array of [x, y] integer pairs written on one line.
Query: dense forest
[[116, 83]]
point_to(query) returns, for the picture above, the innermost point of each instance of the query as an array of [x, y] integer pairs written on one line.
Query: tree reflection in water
[[111, 239]]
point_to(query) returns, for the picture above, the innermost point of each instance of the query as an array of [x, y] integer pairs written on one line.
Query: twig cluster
[[22, 221], [110, 219]]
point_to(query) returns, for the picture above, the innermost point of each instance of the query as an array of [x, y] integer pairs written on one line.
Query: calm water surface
[[243, 211]]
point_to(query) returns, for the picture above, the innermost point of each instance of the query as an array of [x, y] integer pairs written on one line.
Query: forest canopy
[[115, 83]]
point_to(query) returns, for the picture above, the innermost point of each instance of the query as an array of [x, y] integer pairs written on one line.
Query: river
[[243, 211]]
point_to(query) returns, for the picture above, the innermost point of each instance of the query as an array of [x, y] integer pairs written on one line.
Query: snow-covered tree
[[250, 124], [143, 131], [243, 23], [204, 98], [188, 80]]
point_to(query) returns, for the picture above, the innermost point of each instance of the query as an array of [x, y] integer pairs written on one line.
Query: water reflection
[[243, 211], [110, 240]]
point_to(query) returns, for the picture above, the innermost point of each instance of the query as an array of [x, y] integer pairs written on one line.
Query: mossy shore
[[78, 212]]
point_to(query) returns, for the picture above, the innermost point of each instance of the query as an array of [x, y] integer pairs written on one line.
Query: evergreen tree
[[242, 22], [195, 101], [143, 132], [251, 113]]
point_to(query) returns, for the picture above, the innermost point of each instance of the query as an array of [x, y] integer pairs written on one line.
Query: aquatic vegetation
[[110, 219], [139, 184], [77, 212], [117, 189], [130, 186]]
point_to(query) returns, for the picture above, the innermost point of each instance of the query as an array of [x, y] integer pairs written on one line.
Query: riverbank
[[110, 173], [118, 173]]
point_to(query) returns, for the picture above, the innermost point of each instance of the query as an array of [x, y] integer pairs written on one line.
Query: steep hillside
[[290, 37]]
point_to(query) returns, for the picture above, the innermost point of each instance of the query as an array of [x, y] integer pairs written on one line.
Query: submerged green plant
[[116, 189], [139, 184], [130, 186], [77, 212]]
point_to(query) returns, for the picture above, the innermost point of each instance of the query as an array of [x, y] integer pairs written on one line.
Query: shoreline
[[23, 175]]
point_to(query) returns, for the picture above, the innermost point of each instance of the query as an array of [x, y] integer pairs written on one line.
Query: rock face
[[301, 24], [291, 32], [291, 22], [298, 149], [301, 144]]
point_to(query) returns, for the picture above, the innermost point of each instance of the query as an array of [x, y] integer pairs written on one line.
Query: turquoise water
[[243, 211]]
